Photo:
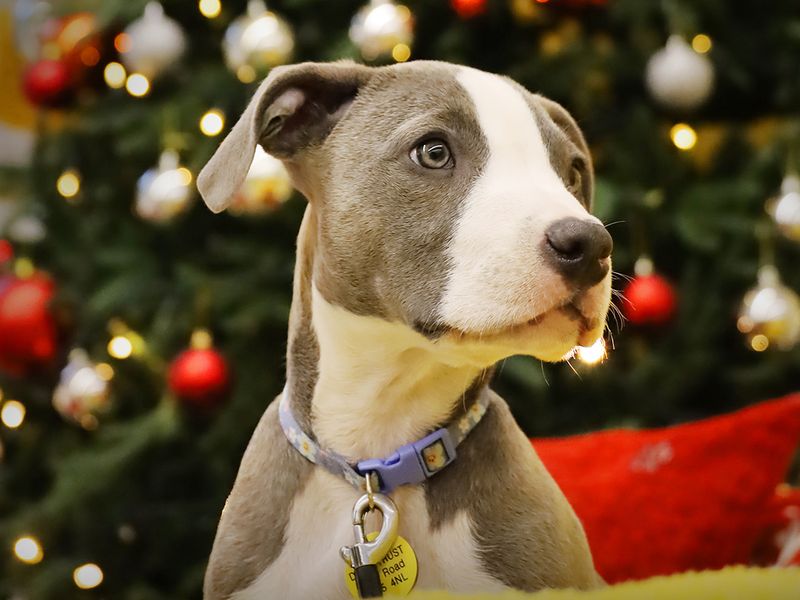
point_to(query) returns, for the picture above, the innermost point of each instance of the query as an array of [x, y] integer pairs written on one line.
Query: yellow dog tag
[[398, 569]]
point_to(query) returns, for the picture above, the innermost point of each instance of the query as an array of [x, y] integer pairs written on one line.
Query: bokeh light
[[87, 576], [12, 414], [137, 85], [28, 549], [115, 75], [683, 136], [210, 8], [68, 183], [212, 122]]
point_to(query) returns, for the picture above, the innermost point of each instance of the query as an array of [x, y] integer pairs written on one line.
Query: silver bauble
[[770, 313], [165, 191], [256, 42], [82, 391], [785, 208], [380, 26]]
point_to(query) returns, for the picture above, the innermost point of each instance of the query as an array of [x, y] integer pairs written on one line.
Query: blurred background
[[141, 337]]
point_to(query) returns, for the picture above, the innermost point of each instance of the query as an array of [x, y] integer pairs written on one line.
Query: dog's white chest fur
[[309, 565]]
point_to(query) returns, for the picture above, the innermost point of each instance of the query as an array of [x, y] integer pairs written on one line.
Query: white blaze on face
[[498, 277]]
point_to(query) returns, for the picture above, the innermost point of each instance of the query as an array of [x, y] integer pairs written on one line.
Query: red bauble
[[466, 9], [81, 44], [47, 83], [199, 376], [28, 333], [6, 251], [649, 299]]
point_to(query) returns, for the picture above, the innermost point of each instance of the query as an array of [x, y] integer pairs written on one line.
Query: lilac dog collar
[[408, 465]]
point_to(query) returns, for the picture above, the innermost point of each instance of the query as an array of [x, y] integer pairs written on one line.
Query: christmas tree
[[141, 337]]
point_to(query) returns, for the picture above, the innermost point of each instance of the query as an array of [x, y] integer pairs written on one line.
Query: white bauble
[[678, 77], [155, 42], [381, 25]]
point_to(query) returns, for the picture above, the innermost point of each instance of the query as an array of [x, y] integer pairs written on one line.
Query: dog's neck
[[361, 385]]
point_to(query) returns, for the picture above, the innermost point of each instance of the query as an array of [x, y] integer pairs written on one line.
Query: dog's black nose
[[577, 249]]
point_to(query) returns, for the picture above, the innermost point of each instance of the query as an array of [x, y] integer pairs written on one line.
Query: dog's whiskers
[[569, 364], [621, 275], [612, 344], [616, 312], [544, 375], [607, 225]]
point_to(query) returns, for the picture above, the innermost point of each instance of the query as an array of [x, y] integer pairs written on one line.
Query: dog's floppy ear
[[567, 124], [294, 108]]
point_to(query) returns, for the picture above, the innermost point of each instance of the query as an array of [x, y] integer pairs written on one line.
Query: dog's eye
[[575, 177], [433, 154]]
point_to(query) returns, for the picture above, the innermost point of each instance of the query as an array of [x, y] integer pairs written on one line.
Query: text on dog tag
[[397, 571]]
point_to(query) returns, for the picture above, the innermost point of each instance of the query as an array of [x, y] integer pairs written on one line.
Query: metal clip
[[364, 552], [364, 555]]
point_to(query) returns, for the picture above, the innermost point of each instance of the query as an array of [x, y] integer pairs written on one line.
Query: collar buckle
[[412, 463]]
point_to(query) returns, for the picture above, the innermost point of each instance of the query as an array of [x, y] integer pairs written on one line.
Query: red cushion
[[778, 523], [693, 496]]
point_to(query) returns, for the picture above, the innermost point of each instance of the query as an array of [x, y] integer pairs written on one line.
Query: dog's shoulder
[[513, 503], [253, 522]]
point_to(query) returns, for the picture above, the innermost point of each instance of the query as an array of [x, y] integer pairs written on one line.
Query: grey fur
[[565, 144], [515, 507], [251, 530], [372, 231]]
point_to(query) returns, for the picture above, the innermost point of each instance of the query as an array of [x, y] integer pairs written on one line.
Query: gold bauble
[[266, 186]]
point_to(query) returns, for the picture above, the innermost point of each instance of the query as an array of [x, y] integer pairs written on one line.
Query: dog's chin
[[551, 336]]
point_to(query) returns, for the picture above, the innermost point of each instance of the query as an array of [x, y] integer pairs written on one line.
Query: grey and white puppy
[[447, 228]]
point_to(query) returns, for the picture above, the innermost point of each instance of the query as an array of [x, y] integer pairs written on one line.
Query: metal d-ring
[[370, 492]]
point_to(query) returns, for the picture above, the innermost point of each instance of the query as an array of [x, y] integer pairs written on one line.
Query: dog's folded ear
[[567, 124], [293, 109]]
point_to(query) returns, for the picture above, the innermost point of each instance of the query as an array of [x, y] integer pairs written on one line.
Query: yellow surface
[[732, 583], [14, 108]]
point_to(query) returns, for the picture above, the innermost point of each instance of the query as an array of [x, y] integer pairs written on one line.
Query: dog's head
[[447, 199]]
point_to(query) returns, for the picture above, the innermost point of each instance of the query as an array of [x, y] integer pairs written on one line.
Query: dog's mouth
[[586, 325]]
